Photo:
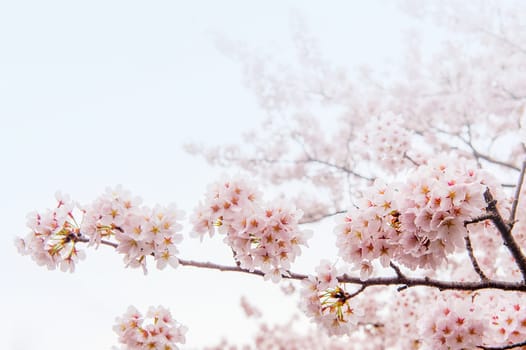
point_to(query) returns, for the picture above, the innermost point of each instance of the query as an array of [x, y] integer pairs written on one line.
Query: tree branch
[[338, 167], [377, 281], [397, 270], [321, 217], [303, 161], [386, 281], [504, 347], [494, 161], [505, 232], [487, 158], [474, 262]]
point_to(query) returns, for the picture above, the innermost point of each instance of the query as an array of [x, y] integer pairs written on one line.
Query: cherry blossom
[[327, 302], [158, 330], [429, 159], [262, 236], [51, 241], [418, 223], [114, 219]]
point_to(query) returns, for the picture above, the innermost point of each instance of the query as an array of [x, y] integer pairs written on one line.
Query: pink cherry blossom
[[158, 330]]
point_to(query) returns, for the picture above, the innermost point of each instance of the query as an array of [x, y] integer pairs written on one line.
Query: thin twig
[[414, 162], [103, 241], [474, 261], [508, 185], [339, 167], [478, 219], [321, 217], [352, 295], [397, 270], [487, 158], [517, 194]]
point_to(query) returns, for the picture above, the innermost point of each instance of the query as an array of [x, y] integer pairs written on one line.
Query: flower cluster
[[388, 140], [327, 302], [140, 231], [507, 317], [452, 324], [416, 223], [53, 236], [162, 333], [262, 236], [116, 219]]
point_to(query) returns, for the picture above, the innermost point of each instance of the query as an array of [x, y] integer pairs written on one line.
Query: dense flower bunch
[[51, 241], [162, 333], [115, 218], [452, 325], [327, 303], [139, 230], [507, 317], [416, 223], [465, 321], [262, 236]]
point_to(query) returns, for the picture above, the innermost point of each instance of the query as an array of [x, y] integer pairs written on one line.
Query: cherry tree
[[420, 171]]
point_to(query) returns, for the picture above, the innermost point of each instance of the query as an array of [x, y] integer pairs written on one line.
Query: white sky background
[[100, 93]]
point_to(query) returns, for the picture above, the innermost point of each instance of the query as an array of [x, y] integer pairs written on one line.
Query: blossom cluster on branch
[[418, 222], [115, 218], [431, 163], [163, 332], [263, 236]]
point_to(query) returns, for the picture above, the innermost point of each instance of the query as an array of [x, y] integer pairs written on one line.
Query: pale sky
[[100, 93]]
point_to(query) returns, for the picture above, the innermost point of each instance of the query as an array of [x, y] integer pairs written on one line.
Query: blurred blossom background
[[100, 93]]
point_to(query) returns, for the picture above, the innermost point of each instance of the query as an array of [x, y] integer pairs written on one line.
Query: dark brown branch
[[397, 270], [503, 347], [505, 232], [474, 261], [478, 219], [399, 280], [414, 162], [352, 295], [377, 281]]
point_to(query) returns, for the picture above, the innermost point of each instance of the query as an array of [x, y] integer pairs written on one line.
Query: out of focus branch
[[486, 157], [517, 194], [310, 220]]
